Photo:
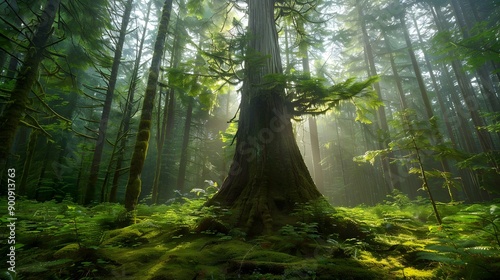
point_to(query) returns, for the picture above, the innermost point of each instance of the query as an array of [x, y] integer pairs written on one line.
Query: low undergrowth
[[398, 239]]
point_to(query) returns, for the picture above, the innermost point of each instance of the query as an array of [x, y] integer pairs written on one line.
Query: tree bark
[[421, 84], [30, 153], [142, 141], [442, 107], [14, 57], [3, 59], [316, 154], [268, 175], [465, 19], [165, 129]]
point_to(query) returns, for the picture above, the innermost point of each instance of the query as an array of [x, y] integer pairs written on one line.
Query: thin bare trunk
[[30, 152], [395, 74], [106, 110], [313, 127], [181, 178], [164, 128], [416, 68]]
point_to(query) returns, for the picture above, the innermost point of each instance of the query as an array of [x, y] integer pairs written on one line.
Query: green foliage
[[486, 164], [196, 8], [405, 241], [311, 211], [300, 232], [468, 241], [414, 139], [397, 198], [411, 131], [185, 211], [480, 47], [410, 134], [493, 120], [85, 226], [228, 135], [484, 220], [449, 182], [312, 96], [370, 156]]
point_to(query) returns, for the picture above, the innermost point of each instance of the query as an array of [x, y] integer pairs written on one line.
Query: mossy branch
[[36, 125], [47, 105]]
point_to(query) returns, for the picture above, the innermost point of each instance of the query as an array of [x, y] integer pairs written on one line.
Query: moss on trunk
[[141, 145], [268, 176]]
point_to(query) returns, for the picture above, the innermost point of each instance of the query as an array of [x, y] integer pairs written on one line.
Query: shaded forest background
[[437, 62]]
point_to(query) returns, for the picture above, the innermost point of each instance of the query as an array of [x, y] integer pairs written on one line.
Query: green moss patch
[[183, 241]]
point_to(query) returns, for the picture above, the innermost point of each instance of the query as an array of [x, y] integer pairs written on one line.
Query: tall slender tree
[[416, 68], [142, 141], [110, 93], [181, 178], [165, 125], [313, 126], [128, 111], [466, 89], [390, 172]]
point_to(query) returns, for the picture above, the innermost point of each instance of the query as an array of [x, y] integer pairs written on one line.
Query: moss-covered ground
[[400, 240]]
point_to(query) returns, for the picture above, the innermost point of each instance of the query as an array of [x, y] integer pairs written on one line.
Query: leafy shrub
[[469, 241]]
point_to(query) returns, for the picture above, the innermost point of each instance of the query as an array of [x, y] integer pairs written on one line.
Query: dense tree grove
[[253, 118], [75, 91]]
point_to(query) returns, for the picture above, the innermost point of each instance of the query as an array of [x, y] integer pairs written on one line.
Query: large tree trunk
[[13, 114], [268, 175], [103, 124], [134, 183]]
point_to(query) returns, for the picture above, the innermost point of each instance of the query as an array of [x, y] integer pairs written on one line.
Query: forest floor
[[68, 241]]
